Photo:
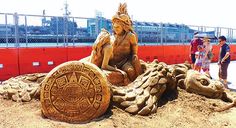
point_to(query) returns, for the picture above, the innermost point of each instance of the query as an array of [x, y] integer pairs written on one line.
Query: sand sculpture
[[79, 91]]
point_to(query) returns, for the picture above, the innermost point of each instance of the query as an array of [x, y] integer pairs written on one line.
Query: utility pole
[[66, 19], [44, 19], [16, 22]]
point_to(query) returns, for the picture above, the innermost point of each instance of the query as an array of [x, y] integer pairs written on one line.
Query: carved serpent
[[142, 96]]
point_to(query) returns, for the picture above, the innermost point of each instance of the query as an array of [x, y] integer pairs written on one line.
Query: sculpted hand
[[122, 72]]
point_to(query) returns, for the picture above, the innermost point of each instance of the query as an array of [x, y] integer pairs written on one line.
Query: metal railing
[[22, 30]]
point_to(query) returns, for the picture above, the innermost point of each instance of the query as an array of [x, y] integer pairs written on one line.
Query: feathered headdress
[[122, 9], [122, 14]]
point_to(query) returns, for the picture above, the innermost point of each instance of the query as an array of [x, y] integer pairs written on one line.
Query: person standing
[[195, 42], [224, 59], [208, 56], [199, 55]]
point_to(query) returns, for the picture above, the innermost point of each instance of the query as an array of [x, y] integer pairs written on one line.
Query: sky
[[215, 13]]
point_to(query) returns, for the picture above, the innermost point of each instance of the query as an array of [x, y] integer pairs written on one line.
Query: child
[[199, 55], [208, 56]]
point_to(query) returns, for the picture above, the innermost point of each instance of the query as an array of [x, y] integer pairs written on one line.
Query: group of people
[[201, 55]]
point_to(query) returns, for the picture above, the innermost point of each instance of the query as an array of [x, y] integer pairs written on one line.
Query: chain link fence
[[19, 30]]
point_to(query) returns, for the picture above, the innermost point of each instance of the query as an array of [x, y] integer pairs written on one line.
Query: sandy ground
[[182, 110], [214, 68]]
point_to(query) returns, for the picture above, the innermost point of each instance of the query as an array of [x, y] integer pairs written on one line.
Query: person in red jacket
[[195, 42]]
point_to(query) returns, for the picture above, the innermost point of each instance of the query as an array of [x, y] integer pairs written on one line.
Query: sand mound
[[22, 88]]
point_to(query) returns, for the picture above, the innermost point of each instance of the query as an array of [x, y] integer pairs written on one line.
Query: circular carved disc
[[75, 92]]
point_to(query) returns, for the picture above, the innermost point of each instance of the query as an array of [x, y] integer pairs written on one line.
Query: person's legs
[[206, 67], [193, 59], [206, 70], [224, 68], [220, 73], [224, 72], [197, 68]]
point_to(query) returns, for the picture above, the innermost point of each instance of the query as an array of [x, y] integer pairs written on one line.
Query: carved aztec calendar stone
[[75, 92]]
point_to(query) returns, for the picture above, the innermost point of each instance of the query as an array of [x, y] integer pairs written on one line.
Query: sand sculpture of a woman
[[119, 51], [78, 91]]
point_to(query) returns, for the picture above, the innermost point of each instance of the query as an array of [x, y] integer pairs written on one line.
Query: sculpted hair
[[126, 27]]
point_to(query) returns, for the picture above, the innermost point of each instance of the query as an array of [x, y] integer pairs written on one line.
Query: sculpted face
[[118, 29], [201, 84]]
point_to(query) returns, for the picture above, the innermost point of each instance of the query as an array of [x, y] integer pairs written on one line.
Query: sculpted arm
[[134, 44], [135, 61], [102, 51], [107, 55]]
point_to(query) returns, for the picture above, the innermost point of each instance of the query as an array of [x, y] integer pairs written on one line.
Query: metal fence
[[21, 30]]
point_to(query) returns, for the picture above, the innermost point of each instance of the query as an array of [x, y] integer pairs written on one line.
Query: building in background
[[95, 25], [60, 25], [5, 30], [66, 29]]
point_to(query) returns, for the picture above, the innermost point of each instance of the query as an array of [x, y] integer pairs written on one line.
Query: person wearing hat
[[224, 59], [208, 56], [195, 42]]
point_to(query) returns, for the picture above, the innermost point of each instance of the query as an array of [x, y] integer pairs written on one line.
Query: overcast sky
[[214, 13]]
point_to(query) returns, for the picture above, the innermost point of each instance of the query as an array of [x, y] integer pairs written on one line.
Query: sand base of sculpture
[[22, 88], [74, 91], [79, 91]]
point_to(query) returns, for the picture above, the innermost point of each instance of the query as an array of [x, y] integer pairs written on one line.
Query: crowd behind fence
[[21, 30]]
